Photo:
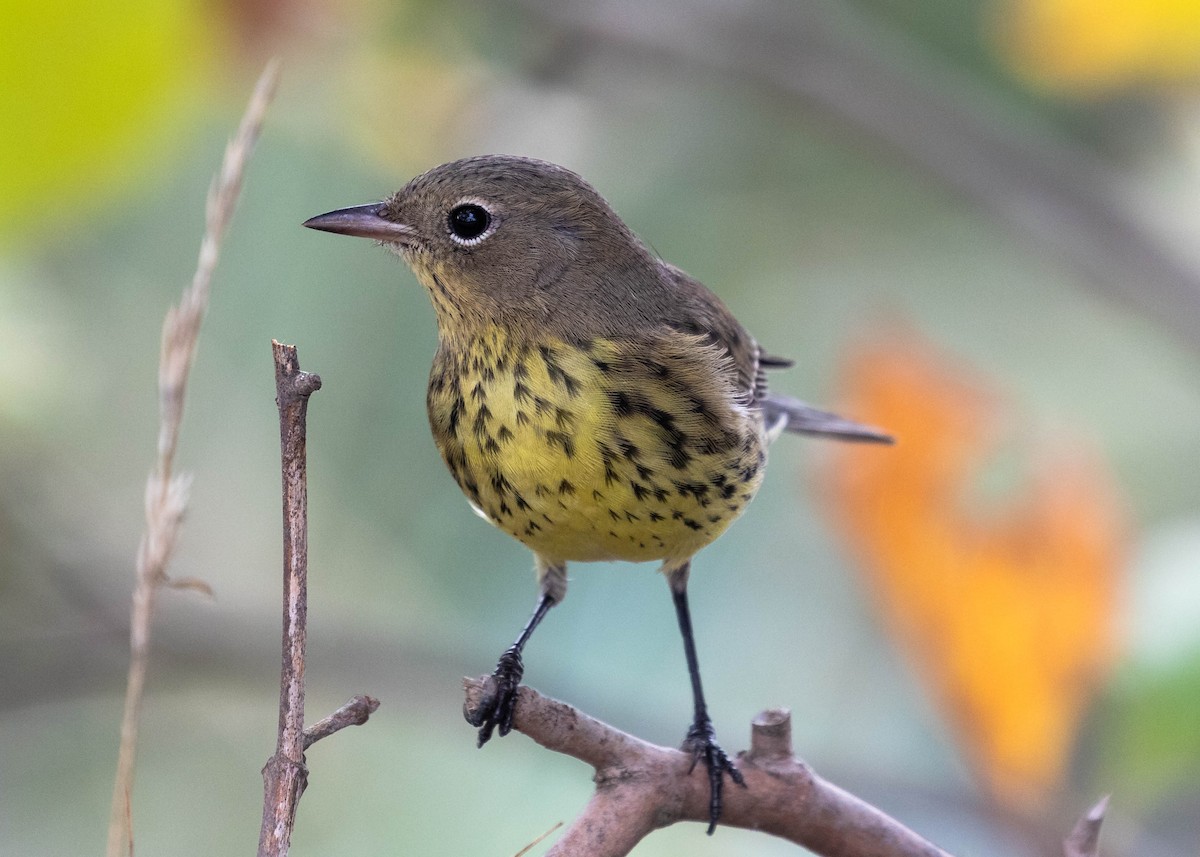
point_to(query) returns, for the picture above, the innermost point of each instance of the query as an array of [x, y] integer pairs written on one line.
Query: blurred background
[[971, 222]]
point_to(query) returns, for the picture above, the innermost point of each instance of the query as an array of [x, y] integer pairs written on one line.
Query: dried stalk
[[285, 774], [166, 491]]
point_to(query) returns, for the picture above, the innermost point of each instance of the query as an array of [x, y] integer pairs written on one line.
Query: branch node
[[771, 736], [291, 382]]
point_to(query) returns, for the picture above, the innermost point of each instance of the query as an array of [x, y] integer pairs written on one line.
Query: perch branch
[[641, 787], [166, 492]]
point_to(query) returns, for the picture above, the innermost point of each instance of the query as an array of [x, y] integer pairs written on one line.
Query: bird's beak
[[363, 221]]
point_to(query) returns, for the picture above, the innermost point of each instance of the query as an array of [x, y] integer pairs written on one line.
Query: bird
[[590, 399]]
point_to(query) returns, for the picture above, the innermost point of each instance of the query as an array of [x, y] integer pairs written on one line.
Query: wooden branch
[[285, 775], [641, 787], [166, 491]]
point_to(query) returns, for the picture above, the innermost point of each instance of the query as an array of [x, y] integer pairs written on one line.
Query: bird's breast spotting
[[637, 449]]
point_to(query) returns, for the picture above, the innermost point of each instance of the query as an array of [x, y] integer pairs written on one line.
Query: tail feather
[[783, 413]]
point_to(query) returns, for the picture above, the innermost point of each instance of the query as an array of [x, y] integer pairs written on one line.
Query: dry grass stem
[[166, 492], [537, 841]]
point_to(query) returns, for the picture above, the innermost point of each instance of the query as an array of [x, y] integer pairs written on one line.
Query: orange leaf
[[1007, 610]]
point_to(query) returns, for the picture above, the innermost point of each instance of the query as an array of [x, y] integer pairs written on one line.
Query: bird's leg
[[701, 740], [500, 696]]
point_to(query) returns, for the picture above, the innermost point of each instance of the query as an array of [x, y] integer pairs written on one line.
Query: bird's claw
[[701, 742], [499, 698]]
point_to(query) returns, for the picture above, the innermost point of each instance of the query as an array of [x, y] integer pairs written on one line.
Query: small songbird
[[591, 400]]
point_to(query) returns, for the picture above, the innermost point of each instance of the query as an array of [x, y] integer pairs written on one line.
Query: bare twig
[[641, 787], [285, 775], [1084, 840], [166, 492], [353, 713]]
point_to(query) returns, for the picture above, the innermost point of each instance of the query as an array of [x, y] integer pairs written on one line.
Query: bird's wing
[[702, 313], [696, 311]]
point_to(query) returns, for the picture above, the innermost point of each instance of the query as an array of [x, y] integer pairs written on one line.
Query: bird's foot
[[495, 708], [701, 742]]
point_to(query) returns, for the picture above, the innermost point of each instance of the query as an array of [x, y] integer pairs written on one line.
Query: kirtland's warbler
[[591, 400]]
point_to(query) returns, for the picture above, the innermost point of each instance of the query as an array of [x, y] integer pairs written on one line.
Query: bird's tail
[[783, 413]]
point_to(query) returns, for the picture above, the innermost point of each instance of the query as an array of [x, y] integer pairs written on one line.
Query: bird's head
[[502, 238]]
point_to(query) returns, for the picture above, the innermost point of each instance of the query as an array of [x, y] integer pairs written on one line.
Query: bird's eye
[[467, 222]]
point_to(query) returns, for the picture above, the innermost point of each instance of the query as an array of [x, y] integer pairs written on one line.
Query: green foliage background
[[814, 234]]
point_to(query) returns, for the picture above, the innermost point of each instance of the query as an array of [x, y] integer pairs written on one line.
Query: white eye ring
[[470, 222]]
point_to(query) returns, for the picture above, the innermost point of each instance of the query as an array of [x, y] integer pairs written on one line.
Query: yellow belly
[[600, 452]]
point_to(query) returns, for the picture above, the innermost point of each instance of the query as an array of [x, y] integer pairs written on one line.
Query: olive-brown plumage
[[591, 400]]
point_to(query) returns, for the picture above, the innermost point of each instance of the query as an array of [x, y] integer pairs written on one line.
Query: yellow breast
[[610, 450]]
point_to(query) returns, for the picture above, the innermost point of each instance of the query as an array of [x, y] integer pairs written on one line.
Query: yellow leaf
[[88, 91], [1006, 609], [1097, 45]]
